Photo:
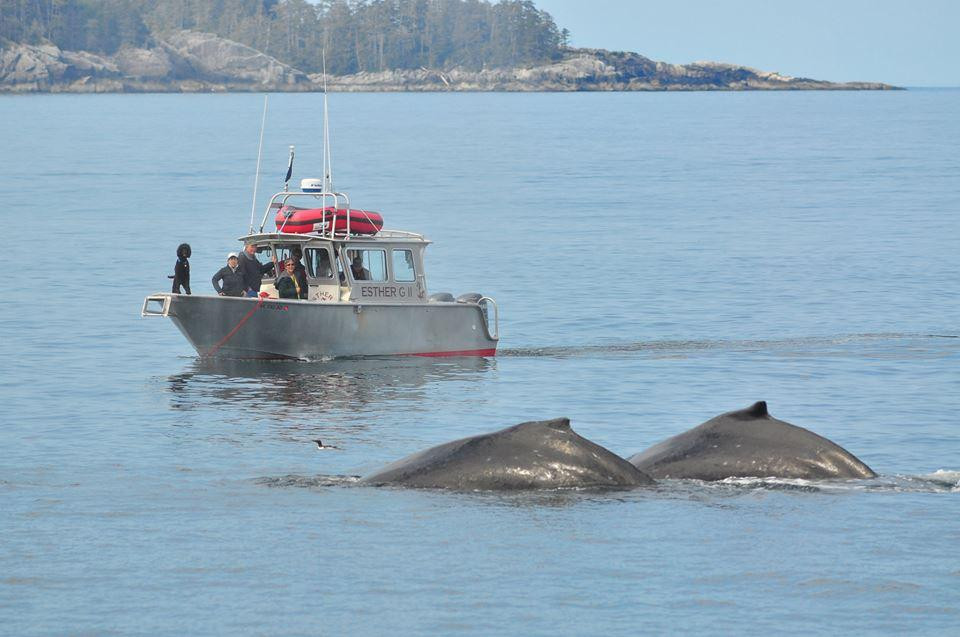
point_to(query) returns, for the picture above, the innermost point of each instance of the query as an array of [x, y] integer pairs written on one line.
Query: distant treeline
[[358, 35]]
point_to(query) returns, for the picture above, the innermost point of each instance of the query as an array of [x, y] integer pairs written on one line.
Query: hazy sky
[[908, 43]]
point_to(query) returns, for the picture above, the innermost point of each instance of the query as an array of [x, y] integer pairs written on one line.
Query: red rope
[[213, 350]]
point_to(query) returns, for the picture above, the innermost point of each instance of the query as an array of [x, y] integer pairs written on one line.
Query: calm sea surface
[[658, 259]]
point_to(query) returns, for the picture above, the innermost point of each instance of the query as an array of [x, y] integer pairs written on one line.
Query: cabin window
[[403, 270], [368, 265], [264, 255], [318, 263], [282, 252]]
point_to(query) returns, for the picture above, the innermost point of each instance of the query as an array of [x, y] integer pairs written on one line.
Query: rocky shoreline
[[194, 62]]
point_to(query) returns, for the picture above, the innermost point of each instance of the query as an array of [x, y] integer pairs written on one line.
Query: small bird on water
[[320, 445]]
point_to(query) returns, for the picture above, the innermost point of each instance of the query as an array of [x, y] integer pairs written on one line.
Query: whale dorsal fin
[[560, 424], [757, 410], [753, 412]]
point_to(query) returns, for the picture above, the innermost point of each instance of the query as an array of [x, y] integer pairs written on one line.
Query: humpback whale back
[[749, 443], [532, 455]]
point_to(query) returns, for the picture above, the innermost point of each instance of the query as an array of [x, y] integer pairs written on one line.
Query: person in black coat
[[231, 278], [252, 270], [181, 271], [297, 255]]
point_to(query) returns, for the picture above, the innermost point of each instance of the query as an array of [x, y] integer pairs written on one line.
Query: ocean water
[[657, 258]]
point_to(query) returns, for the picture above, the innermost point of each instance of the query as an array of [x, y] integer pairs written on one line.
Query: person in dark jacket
[[231, 278], [297, 255], [291, 284], [359, 272], [181, 271], [252, 269]]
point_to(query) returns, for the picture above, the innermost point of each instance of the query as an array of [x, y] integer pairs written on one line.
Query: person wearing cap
[[228, 281], [252, 270], [291, 284]]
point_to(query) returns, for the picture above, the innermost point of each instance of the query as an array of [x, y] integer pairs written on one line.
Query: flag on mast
[[286, 180]]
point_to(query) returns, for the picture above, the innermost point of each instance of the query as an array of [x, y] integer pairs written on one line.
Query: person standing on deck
[[253, 270], [230, 276]]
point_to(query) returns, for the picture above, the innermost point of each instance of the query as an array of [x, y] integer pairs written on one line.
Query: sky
[[901, 42]]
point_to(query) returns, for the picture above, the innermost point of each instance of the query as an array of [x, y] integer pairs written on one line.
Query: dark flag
[[289, 167]]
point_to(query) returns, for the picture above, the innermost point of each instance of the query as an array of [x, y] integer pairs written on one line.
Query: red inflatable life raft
[[304, 220]]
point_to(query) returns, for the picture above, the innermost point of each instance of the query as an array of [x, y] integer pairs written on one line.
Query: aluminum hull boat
[[269, 328], [358, 290]]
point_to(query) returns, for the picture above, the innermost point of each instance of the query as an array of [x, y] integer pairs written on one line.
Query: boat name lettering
[[386, 292]]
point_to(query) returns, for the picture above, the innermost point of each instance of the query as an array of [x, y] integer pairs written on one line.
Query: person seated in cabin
[[181, 270], [324, 267], [340, 272], [253, 270], [359, 272], [228, 281], [291, 284], [297, 254]]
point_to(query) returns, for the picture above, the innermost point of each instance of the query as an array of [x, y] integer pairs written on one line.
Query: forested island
[[363, 45]]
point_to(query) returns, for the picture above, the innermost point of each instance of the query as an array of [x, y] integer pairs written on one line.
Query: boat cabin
[[386, 268]]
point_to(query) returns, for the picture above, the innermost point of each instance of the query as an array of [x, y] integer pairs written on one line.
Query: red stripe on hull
[[465, 352]]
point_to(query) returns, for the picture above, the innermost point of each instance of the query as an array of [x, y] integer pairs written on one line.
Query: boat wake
[[673, 347]]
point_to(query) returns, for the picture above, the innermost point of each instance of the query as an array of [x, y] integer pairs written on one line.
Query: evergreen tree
[[355, 35]]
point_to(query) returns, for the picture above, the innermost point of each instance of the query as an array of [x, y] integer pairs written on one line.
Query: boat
[[367, 290], [383, 308]]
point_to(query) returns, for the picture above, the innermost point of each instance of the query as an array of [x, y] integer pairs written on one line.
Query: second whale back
[[749, 443]]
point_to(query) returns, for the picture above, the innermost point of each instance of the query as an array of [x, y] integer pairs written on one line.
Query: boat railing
[[340, 201], [150, 305], [279, 200], [484, 302], [398, 234]]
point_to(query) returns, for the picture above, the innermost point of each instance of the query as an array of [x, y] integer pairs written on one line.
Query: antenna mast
[[256, 180], [327, 157]]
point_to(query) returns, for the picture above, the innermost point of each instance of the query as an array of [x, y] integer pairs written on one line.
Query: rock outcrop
[[189, 61], [220, 60], [591, 70], [25, 68], [186, 61]]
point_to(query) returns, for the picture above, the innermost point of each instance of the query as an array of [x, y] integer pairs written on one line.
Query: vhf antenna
[[256, 180], [327, 158]]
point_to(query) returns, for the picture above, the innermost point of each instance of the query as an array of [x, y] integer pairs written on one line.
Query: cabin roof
[[384, 236]]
